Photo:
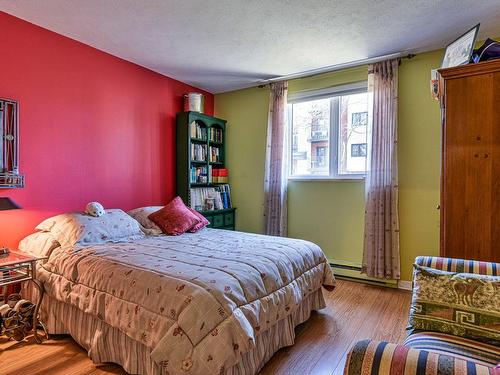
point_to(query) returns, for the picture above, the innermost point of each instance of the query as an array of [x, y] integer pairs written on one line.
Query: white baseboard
[[352, 270], [405, 285], [357, 276]]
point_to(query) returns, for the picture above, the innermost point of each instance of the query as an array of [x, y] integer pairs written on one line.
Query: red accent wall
[[93, 127]]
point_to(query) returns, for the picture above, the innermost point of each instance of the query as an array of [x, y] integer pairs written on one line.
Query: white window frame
[[333, 93]]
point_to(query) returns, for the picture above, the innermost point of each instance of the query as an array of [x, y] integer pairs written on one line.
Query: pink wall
[[92, 127]]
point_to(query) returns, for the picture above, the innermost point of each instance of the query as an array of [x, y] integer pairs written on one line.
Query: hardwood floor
[[354, 312]]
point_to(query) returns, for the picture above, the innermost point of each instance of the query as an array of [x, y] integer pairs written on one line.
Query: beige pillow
[[39, 244], [141, 215], [77, 228]]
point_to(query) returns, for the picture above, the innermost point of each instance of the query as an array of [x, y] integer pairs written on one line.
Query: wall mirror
[[10, 177]]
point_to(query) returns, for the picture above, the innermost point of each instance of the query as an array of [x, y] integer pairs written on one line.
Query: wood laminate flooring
[[355, 311]]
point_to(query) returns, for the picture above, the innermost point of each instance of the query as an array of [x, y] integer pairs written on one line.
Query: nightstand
[[17, 267]]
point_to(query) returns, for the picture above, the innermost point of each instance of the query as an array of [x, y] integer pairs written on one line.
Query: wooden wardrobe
[[470, 174]]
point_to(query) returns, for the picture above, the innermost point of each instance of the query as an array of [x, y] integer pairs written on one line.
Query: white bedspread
[[197, 300]]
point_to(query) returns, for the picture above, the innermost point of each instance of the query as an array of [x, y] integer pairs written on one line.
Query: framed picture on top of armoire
[[460, 50]]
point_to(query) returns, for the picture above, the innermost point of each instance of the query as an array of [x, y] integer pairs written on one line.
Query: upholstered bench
[[439, 353]]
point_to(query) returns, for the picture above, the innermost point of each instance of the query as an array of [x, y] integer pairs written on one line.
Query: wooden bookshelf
[[211, 134]]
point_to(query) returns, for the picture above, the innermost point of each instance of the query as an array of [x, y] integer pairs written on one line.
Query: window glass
[[353, 121], [328, 136], [311, 138]]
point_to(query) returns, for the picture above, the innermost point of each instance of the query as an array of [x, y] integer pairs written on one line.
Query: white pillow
[[141, 215], [77, 228], [39, 244]]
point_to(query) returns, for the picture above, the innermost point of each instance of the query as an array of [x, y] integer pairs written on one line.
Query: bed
[[211, 302]]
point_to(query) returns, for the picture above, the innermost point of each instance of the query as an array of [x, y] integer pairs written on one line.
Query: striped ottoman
[[458, 347], [381, 358]]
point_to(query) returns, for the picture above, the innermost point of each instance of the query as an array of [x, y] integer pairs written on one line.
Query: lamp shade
[[8, 204]]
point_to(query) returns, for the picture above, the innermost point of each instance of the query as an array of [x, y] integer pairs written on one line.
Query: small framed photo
[[459, 51]]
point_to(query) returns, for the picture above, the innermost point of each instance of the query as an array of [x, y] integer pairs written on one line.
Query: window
[[329, 133], [321, 156], [359, 118], [358, 150]]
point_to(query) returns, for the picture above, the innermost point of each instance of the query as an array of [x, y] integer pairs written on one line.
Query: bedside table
[[17, 267]]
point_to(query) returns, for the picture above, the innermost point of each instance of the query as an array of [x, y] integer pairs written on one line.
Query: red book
[[215, 175], [223, 175]]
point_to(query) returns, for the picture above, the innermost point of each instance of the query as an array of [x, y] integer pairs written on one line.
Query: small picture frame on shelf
[[209, 204], [460, 50]]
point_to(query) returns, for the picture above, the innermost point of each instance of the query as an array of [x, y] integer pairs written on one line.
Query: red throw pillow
[[203, 221], [175, 218]]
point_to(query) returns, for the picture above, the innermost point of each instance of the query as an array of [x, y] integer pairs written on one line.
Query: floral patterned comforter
[[197, 300]]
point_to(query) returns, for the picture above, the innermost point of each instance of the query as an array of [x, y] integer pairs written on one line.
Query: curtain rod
[[333, 68]]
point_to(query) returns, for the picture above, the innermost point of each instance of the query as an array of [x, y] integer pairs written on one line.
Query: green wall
[[419, 156], [330, 213]]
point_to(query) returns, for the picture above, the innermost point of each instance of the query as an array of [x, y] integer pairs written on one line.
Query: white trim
[[344, 262], [405, 285], [351, 176], [333, 93], [355, 274], [289, 134], [306, 95], [341, 178], [334, 137]]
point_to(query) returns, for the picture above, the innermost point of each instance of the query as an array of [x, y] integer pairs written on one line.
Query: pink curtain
[[275, 180], [381, 257]]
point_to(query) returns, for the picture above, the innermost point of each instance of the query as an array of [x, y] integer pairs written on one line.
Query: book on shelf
[[199, 175], [203, 175], [215, 135], [198, 152], [197, 131], [214, 154], [219, 176], [211, 198]]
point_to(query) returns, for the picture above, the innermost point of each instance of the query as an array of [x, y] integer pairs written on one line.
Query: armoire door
[[470, 190]]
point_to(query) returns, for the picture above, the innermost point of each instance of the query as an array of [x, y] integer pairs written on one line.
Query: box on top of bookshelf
[[202, 176]]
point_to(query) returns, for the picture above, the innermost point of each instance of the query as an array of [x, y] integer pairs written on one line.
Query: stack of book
[[196, 131], [198, 152], [225, 194], [203, 175], [199, 175], [209, 199], [214, 154], [219, 175], [215, 135]]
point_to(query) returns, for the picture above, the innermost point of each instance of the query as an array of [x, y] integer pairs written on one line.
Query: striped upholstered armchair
[[457, 349]]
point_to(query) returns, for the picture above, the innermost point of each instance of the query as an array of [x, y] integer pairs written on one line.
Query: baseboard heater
[[352, 272], [345, 266]]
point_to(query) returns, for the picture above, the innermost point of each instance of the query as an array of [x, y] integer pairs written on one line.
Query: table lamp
[[7, 204]]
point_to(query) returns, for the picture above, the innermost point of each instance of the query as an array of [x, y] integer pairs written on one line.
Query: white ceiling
[[223, 45]]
